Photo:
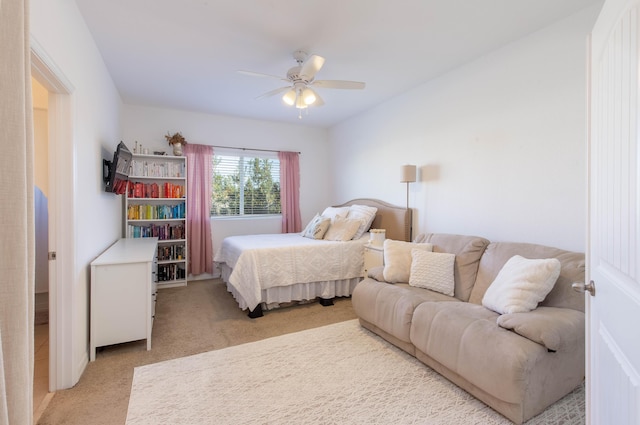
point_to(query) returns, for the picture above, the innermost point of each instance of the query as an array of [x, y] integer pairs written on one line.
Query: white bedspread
[[265, 261]]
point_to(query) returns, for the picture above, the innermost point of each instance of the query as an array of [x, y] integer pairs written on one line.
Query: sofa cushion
[[376, 273], [390, 306], [555, 328], [397, 259], [572, 269], [465, 338], [432, 270], [468, 250], [521, 284]]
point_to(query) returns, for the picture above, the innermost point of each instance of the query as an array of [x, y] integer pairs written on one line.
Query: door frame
[[61, 229]]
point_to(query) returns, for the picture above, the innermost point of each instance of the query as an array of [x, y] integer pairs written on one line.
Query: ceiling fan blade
[[260, 74], [338, 84], [311, 66], [274, 92], [319, 101]]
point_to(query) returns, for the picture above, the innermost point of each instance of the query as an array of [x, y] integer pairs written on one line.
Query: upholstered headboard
[[395, 220]]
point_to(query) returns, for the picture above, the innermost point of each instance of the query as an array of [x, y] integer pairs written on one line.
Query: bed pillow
[[317, 227], [308, 226], [521, 284], [335, 212], [342, 229], [397, 259], [364, 213], [432, 270]]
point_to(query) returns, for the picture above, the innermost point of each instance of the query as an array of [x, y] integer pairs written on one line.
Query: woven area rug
[[336, 374]]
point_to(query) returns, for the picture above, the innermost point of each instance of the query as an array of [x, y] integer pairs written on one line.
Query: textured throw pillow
[[397, 259], [342, 229], [317, 227], [335, 212], [521, 284], [364, 213], [432, 270]]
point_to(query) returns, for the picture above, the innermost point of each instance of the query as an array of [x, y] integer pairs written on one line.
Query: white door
[[613, 314]]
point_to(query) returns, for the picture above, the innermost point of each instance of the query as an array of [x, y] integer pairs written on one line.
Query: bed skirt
[[299, 292]]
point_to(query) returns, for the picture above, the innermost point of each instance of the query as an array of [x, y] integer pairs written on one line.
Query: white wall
[[58, 27], [500, 144], [148, 127]]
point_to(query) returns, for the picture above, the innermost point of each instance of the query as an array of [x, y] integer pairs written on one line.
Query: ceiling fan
[[301, 82]]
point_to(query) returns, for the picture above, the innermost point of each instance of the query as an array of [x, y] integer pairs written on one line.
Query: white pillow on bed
[[364, 213], [335, 212], [317, 227], [342, 229]]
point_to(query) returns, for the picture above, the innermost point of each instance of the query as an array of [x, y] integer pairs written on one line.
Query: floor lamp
[[408, 175]]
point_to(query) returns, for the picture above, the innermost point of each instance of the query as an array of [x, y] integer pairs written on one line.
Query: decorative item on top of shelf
[[176, 141]]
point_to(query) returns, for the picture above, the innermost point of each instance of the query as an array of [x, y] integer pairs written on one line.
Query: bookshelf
[[156, 206]]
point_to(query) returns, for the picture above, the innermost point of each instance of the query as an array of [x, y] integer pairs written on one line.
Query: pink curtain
[[200, 245], [290, 191]]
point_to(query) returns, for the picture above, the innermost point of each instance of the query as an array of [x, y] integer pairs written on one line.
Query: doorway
[[41, 394], [60, 180]]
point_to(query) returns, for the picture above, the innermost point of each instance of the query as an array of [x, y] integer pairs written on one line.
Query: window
[[247, 184]]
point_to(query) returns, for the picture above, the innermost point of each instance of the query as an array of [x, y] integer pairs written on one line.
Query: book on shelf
[[174, 252], [145, 167], [153, 190], [163, 231], [156, 212], [169, 272]]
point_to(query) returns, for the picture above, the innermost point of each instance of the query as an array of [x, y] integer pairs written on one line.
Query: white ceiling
[[184, 54]]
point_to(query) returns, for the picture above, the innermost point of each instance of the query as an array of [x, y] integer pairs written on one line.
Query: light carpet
[[336, 374]]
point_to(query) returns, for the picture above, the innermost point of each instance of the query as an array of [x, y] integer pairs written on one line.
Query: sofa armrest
[[553, 327], [376, 273]]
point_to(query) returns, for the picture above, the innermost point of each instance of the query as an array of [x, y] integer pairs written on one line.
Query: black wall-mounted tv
[[116, 173]]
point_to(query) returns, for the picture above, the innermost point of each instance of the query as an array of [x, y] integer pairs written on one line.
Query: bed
[[267, 271]]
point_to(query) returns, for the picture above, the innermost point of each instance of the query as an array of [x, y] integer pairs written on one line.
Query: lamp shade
[[408, 174], [309, 96], [289, 97]]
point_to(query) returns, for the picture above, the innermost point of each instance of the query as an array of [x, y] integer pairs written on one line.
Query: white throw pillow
[[397, 259], [521, 284], [364, 213], [335, 212], [342, 229], [433, 270], [317, 227]]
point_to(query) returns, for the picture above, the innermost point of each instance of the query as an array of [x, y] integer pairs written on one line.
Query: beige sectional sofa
[[517, 363]]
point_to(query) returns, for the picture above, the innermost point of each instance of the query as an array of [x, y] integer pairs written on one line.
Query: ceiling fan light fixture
[[290, 97], [300, 103], [308, 96]]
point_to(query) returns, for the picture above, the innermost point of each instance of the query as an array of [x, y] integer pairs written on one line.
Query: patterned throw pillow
[[317, 227], [432, 270]]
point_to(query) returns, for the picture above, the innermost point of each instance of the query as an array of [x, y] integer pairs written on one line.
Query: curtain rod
[[250, 149]]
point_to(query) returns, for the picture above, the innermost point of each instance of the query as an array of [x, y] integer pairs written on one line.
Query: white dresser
[[123, 293]]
